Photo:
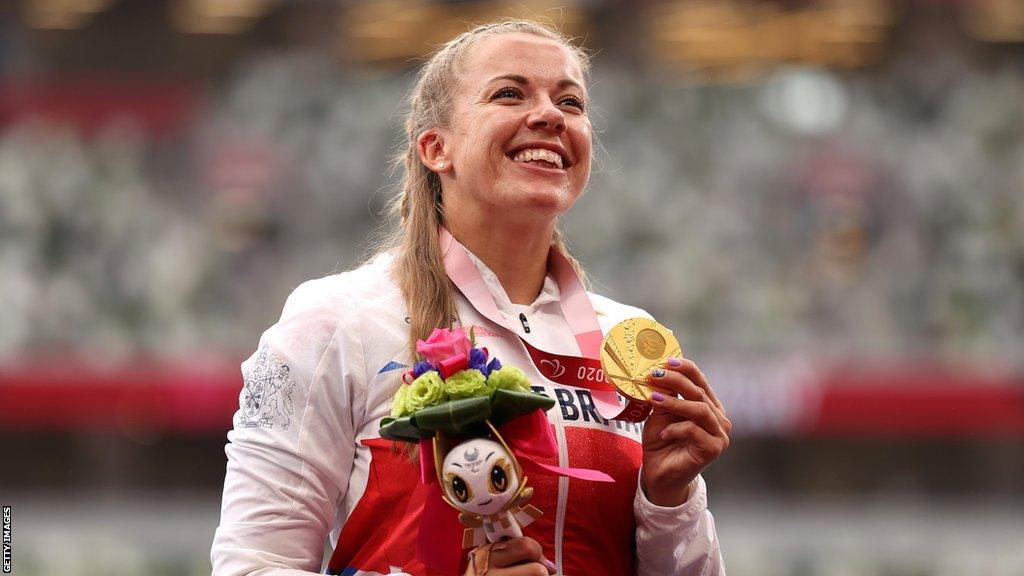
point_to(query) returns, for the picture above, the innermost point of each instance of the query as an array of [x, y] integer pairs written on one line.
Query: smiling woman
[[516, 153], [498, 146], [519, 131]]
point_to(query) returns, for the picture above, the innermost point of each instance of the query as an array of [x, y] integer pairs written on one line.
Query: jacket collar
[[549, 293]]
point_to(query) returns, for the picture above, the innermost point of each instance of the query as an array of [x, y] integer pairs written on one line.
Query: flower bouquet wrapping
[[480, 429]]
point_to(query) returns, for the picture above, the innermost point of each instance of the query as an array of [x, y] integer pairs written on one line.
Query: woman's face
[[519, 140]]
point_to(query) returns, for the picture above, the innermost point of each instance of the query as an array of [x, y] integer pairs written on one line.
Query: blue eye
[[573, 101], [507, 92]]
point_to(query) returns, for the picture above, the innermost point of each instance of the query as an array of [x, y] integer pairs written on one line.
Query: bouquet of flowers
[[480, 429], [455, 389]]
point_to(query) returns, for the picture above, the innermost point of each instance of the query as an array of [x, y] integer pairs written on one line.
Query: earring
[[441, 165]]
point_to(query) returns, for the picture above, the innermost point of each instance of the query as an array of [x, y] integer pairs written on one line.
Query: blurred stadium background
[[823, 199]]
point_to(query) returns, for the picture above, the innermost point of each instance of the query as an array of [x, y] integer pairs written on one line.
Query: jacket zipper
[[526, 325]]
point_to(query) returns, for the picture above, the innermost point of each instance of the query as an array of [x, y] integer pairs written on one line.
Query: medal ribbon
[[580, 371]]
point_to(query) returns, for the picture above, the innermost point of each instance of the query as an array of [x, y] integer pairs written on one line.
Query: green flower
[[509, 378], [425, 391], [400, 403], [467, 384]]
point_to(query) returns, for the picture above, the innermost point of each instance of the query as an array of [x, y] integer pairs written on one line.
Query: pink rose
[[443, 344]]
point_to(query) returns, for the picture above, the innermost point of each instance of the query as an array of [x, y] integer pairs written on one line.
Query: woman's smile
[[546, 161]]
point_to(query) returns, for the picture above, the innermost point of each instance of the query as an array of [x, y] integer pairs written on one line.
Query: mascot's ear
[[524, 496]]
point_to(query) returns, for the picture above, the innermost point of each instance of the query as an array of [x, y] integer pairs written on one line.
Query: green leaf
[[455, 417], [402, 430], [460, 417], [510, 404]]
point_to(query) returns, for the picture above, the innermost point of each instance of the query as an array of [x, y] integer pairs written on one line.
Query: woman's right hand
[[514, 557]]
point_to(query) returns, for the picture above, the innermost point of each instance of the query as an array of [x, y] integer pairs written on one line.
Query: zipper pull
[[526, 325]]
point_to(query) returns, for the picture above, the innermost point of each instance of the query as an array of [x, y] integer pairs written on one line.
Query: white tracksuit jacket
[[305, 458]]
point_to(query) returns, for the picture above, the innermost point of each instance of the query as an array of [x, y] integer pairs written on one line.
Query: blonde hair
[[417, 208]]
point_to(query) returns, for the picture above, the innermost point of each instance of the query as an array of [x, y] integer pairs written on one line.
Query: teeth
[[535, 154]]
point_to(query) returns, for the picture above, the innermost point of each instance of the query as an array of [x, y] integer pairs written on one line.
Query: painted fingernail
[[657, 396], [657, 373], [675, 362], [550, 564]]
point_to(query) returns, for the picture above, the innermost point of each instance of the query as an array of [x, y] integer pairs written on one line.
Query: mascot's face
[[479, 477]]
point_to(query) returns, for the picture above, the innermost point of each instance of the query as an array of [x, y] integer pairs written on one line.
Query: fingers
[[677, 383], [519, 557], [688, 368], [699, 412], [514, 551], [684, 378], [712, 445]]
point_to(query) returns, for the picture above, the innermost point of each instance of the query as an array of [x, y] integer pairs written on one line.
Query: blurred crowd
[[866, 213], [776, 217]]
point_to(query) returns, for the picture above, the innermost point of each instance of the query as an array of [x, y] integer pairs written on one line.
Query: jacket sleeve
[[678, 541], [291, 450]]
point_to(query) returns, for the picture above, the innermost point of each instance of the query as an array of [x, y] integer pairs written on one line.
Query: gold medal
[[631, 349]]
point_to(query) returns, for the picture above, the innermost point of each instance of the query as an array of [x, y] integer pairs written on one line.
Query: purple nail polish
[[657, 396], [675, 362], [550, 564]]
